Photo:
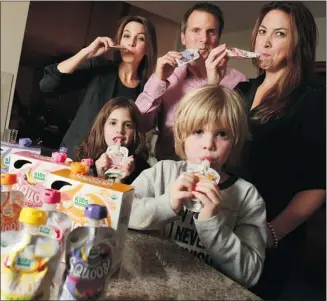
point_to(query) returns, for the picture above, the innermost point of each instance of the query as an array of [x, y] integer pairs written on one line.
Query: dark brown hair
[[300, 61], [94, 145], [148, 63], [208, 8]]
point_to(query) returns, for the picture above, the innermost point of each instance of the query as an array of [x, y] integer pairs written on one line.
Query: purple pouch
[[89, 257]]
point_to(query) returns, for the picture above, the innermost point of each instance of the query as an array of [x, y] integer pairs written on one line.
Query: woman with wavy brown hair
[[285, 159], [133, 63]]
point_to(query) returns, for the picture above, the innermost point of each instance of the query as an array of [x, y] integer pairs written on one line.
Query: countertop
[[154, 268]]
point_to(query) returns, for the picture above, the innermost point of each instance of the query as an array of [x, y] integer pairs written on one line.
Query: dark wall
[[55, 31]]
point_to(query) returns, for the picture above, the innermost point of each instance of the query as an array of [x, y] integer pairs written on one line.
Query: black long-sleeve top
[[101, 80], [287, 155]]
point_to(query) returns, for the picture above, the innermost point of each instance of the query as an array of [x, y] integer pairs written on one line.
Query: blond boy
[[229, 233]]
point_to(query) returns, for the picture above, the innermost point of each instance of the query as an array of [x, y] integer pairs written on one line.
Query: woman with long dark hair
[[285, 159], [124, 76]]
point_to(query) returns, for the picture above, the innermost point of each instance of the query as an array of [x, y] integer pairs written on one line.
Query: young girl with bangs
[[118, 119]]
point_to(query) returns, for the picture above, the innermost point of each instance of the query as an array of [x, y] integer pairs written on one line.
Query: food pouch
[[202, 170], [118, 155], [88, 162], [28, 259], [63, 149], [241, 54], [11, 203], [59, 157], [89, 254], [118, 47], [58, 223], [189, 55]]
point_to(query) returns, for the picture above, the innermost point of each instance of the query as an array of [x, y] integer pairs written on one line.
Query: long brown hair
[[94, 145], [148, 63], [300, 61]]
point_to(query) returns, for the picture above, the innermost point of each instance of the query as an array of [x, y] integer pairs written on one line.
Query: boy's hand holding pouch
[[197, 189], [207, 192], [181, 190]]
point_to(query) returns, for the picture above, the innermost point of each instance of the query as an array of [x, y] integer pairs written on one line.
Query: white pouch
[[189, 55], [202, 170]]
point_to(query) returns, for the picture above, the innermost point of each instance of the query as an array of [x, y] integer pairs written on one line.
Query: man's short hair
[[206, 7]]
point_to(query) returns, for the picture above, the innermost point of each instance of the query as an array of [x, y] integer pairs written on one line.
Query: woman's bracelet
[[274, 236]]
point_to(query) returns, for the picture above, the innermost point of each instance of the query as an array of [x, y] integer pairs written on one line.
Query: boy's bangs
[[211, 116], [215, 108]]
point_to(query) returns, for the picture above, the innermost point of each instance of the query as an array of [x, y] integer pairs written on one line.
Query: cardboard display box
[[32, 171], [8, 149], [77, 191]]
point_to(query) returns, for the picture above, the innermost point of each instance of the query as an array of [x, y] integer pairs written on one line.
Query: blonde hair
[[211, 105]]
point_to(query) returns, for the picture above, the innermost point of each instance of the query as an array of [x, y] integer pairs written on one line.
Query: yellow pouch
[[29, 263]]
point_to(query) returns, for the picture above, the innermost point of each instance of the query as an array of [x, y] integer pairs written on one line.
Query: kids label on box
[[78, 191], [32, 171], [8, 149]]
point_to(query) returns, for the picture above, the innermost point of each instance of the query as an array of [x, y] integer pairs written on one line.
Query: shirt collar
[[182, 72]]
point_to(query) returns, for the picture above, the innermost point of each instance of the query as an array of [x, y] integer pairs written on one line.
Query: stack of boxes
[[36, 173]]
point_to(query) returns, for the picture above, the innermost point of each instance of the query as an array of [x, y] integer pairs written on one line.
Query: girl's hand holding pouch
[[128, 167], [102, 164]]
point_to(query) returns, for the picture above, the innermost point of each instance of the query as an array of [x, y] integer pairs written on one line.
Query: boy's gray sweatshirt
[[233, 241]]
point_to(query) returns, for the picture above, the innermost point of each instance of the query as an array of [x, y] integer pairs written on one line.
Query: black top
[[100, 78], [228, 183], [287, 154], [122, 90]]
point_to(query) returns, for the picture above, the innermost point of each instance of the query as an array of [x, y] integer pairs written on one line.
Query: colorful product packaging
[[11, 203], [188, 55], [118, 155], [202, 170], [241, 54], [79, 190], [8, 149], [32, 171], [89, 258], [89, 163], [28, 259], [58, 224]]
